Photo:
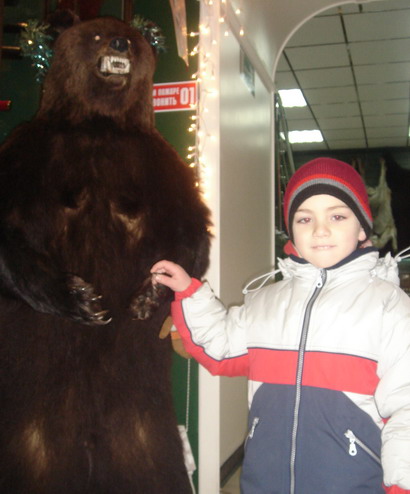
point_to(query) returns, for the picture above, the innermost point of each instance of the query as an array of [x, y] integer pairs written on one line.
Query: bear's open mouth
[[114, 65]]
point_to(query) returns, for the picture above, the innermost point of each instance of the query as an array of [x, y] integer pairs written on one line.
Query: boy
[[326, 350]]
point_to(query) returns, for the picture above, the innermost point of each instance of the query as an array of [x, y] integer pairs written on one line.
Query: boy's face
[[325, 230]]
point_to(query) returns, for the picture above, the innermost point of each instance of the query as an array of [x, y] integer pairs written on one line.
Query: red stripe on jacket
[[326, 370], [322, 370]]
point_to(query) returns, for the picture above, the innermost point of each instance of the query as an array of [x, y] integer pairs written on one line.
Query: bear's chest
[[107, 214], [104, 189]]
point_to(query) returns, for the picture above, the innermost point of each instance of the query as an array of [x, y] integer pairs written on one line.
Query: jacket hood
[[386, 268]]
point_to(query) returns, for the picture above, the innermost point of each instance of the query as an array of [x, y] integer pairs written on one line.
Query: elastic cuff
[[394, 489], [193, 287]]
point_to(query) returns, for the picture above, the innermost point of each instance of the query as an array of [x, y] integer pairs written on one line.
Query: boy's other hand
[[171, 275]]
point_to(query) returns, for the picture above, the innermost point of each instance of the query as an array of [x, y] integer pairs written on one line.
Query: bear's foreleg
[[34, 278]]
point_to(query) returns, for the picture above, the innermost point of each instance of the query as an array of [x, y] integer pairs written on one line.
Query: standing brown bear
[[90, 197]]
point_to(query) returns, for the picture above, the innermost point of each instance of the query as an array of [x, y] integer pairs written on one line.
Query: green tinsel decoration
[[34, 43], [151, 32]]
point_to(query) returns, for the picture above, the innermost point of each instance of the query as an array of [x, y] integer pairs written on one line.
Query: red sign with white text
[[175, 96]]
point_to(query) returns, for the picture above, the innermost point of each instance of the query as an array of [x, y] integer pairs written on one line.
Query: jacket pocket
[[251, 432], [355, 442]]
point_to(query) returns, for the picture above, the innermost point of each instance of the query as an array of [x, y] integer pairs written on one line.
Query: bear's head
[[100, 68]]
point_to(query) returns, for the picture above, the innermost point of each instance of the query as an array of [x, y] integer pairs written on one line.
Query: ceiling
[[352, 64]]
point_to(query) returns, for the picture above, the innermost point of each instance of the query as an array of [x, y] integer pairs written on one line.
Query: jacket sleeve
[[213, 335], [393, 391]]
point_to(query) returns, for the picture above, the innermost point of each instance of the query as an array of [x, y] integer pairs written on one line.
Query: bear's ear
[[60, 20]]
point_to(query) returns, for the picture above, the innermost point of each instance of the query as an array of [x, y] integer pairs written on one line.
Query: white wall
[[239, 190], [241, 197], [245, 211]]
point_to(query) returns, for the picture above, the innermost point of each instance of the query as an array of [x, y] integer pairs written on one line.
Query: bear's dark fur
[[90, 197]]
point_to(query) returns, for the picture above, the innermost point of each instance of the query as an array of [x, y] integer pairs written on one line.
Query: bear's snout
[[119, 44]]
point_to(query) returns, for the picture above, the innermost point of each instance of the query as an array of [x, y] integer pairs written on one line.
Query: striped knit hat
[[328, 176]]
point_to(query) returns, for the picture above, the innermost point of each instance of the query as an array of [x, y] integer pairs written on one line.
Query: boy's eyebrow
[[302, 211], [345, 206], [331, 208]]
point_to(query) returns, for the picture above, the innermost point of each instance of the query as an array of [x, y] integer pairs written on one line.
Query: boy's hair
[[328, 176]]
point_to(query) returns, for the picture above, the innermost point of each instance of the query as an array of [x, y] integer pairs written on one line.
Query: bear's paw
[[87, 308], [144, 305]]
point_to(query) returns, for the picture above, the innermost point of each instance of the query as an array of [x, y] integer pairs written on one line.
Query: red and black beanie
[[332, 177]]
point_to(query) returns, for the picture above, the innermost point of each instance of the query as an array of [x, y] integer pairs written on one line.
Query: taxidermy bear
[[90, 197]]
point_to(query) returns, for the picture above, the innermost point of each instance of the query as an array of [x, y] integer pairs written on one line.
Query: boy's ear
[[362, 235]]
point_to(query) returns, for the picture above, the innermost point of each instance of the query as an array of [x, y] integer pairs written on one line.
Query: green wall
[[17, 83], [16, 76]]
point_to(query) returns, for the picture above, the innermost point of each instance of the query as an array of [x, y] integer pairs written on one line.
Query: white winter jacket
[[327, 355]]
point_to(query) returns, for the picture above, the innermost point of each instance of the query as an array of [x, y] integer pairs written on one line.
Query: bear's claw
[[87, 307]]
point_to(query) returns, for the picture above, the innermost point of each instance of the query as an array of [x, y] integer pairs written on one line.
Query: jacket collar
[[364, 260], [354, 255]]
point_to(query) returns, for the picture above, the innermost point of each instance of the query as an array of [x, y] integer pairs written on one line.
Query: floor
[[232, 486]]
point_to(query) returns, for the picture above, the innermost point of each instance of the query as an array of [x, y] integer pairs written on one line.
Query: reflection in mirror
[[352, 66]]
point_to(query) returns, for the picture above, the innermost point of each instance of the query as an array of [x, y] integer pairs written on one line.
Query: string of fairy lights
[[204, 123]]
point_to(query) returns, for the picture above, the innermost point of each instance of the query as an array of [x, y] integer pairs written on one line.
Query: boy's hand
[[171, 275]]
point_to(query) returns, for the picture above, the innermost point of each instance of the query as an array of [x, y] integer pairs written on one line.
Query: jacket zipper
[[301, 355], [353, 440], [255, 422]]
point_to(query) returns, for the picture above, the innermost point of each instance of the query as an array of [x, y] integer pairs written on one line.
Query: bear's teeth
[[114, 65]]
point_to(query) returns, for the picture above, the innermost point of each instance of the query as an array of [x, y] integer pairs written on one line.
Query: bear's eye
[[97, 37]]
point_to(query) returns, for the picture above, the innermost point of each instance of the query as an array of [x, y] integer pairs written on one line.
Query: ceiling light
[[302, 136], [292, 97]]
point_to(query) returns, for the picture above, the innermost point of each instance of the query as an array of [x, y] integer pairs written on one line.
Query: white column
[[209, 170]]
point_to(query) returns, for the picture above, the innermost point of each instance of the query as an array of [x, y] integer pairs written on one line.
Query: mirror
[[352, 65]]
